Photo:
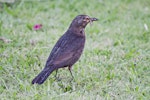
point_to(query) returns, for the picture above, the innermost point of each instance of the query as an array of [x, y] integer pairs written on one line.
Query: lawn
[[115, 64]]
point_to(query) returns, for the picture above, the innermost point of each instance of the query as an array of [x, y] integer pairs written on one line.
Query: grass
[[115, 64]]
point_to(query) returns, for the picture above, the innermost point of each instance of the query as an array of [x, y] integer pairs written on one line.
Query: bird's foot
[[72, 80], [57, 78]]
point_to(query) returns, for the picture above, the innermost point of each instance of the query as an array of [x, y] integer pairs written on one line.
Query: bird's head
[[82, 20]]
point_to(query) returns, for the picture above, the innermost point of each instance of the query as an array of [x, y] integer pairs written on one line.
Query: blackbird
[[67, 50]]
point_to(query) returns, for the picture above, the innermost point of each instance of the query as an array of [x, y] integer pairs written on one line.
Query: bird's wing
[[62, 52]]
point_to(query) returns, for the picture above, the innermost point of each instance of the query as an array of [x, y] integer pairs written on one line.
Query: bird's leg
[[57, 78], [70, 71], [56, 73]]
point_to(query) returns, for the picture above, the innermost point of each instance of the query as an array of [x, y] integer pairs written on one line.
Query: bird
[[67, 49]]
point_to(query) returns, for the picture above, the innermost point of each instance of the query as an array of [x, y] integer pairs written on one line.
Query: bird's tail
[[42, 76]]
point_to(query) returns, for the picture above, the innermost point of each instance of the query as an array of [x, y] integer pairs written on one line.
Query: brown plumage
[[68, 48]]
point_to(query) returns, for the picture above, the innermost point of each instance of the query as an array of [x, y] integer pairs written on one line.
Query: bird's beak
[[93, 19]]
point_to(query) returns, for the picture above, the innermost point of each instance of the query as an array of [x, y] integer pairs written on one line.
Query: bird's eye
[[85, 19]]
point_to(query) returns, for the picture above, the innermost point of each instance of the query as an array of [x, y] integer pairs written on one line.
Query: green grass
[[115, 64]]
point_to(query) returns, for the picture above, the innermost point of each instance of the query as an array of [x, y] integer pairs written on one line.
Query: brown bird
[[68, 48]]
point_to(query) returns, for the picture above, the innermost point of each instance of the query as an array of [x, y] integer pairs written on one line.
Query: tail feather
[[40, 78]]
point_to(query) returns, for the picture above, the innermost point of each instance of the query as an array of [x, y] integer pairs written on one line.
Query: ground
[[115, 64]]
